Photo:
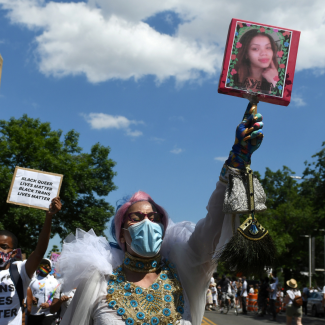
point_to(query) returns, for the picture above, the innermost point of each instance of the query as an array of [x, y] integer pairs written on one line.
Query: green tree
[[313, 186], [54, 249], [290, 215], [26, 142]]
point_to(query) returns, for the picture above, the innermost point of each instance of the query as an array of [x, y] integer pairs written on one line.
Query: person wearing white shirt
[[280, 296], [291, 309], [273, 292], [13, 295], [213, 288], [41, 287], [243, 295]]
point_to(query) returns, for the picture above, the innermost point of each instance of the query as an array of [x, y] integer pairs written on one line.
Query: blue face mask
[[146, 237]]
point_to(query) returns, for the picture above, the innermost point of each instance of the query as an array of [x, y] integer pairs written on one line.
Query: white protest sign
[[34, 188], [1, 63]]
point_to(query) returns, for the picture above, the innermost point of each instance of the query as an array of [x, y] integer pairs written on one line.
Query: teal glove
[[250, 128]]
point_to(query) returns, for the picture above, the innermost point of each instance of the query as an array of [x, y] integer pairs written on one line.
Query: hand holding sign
[[36, 189], [55, 206], [248, 129]]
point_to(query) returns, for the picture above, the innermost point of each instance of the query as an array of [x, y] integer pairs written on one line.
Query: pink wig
[[120, 214]]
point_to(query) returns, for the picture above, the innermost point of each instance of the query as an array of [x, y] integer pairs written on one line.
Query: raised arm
[[215, 229], [36, 256]]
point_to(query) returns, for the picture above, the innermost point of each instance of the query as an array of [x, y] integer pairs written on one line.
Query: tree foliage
[[295, 209], [54, 249], [29, 143]]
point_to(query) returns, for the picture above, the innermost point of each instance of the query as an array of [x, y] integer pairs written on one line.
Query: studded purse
[[238, 193]]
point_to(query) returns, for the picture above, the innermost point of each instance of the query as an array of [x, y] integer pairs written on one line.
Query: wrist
[[49, 214], [238, 160], [225, 171]]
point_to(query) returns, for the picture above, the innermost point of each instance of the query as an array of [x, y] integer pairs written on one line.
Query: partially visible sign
[[54, 259], [34, 188], [1, 62]]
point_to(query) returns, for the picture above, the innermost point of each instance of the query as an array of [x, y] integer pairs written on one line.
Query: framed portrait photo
[[259, 59]]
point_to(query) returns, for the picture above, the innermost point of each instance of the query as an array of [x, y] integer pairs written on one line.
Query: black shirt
[[263, 291], [224, 285]]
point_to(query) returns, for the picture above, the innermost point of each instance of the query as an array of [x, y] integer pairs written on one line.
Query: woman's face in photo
[[260, 52]]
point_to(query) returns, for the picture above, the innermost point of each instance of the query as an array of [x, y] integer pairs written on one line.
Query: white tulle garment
[[87, 261]]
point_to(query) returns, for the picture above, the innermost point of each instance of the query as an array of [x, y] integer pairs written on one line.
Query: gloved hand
[[248, 129]]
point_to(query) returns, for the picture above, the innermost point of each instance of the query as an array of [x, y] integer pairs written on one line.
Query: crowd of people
[[272, 298]]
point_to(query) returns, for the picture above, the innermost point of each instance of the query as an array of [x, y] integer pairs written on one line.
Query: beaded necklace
[[137, 264], [162, 303]]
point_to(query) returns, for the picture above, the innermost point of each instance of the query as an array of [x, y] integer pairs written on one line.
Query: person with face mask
[[15, 276], [41, 286], [155, 271]]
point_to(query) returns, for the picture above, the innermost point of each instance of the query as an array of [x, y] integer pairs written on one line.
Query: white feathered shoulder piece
[[84, 253]]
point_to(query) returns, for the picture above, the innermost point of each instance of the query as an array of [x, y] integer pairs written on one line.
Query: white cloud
[[177, 151], [135, 133], [169, 19], [298, 101], [157, 140], [106, 39], [104, 121], [222, 159], [77, 38]]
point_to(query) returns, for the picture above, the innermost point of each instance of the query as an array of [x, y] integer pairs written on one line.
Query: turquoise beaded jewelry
[[162, 303], [147, 265]]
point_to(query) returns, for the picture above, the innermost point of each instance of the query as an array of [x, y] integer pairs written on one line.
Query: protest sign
[[1, 62], [34, 188], [54, 259], [259, 59]]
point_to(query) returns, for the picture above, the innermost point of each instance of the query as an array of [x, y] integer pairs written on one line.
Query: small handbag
[[251, 247], [297, 301], [237, 194]]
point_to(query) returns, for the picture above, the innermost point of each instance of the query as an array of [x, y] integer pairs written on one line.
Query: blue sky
[[159, 75]]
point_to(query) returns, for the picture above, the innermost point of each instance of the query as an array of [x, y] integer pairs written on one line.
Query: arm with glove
[[251, 247], [213, 231]]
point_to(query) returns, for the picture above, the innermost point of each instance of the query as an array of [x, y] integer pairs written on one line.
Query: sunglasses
[[45, 265], [139, 216]]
